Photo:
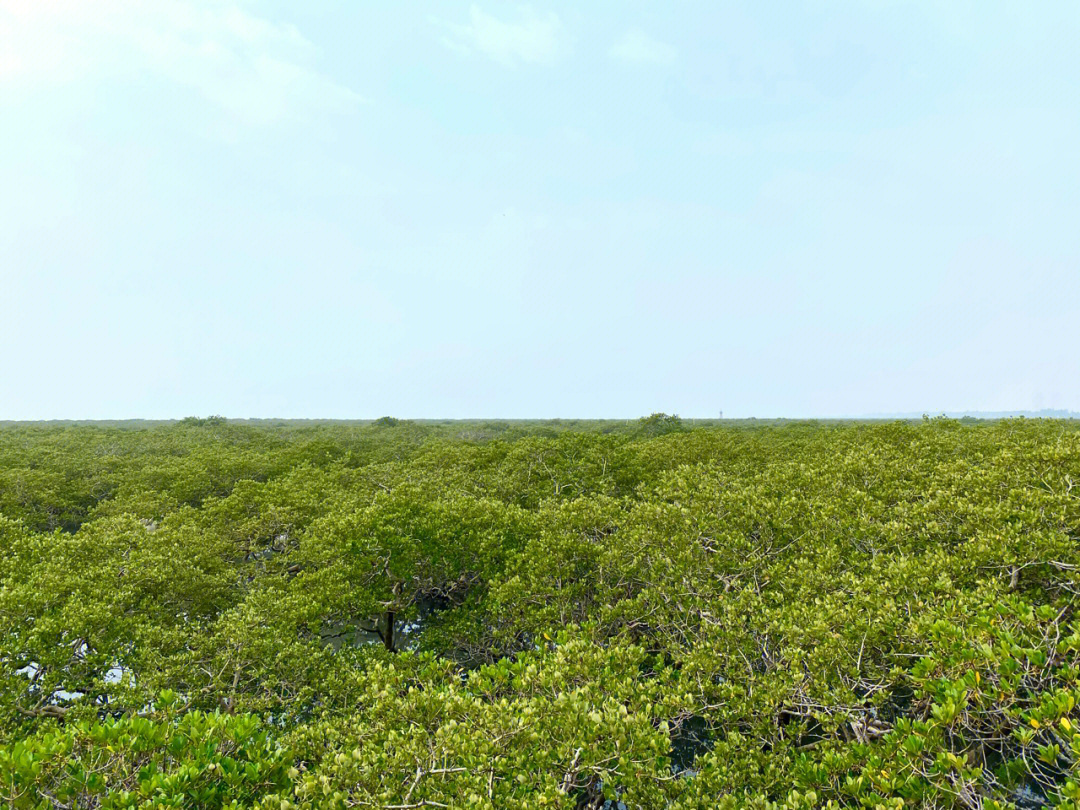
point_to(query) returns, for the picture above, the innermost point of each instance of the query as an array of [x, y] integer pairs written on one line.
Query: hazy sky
[[560, 209]]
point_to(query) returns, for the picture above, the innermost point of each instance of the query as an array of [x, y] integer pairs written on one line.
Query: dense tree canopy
[[651, 614]]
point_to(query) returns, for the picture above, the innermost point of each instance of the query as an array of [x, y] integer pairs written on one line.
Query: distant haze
[[333, 209], [1045, 413]]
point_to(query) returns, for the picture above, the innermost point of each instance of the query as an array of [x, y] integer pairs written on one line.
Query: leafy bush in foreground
[[197, 760]]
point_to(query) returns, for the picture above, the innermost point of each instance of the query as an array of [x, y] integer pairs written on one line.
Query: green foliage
[[196, 760], [659, 424], [201, 421], [552, 615]]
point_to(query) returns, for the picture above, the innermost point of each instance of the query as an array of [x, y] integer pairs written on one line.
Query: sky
[[604, 209]]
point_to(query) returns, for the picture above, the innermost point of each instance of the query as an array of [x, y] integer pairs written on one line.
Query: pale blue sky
[[447, 209]]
